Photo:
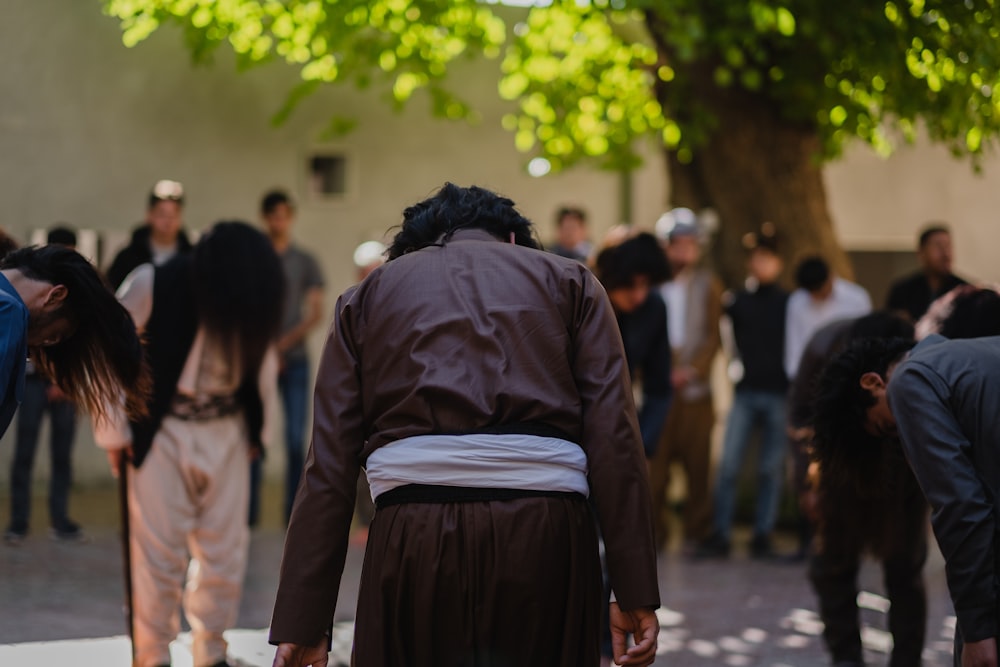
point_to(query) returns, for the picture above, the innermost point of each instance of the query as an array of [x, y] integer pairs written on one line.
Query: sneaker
[[14, 538], [711, 548], [70, 532]]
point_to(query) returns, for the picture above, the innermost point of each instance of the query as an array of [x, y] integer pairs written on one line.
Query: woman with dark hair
[[629, 271], [483, 387], [209, 319], [57, 310]]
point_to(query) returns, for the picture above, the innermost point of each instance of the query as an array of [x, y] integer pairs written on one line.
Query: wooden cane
[[126, 547]]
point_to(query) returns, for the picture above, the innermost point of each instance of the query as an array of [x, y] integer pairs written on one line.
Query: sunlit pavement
[[62, 604]]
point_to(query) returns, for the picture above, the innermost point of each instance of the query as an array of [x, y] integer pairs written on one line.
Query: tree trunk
[[756, 167]]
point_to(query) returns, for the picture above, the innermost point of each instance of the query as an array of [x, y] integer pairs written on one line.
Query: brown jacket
[[453, 339]]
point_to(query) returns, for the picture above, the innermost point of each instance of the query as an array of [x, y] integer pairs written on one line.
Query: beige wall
[[88, 126], [882, 204]]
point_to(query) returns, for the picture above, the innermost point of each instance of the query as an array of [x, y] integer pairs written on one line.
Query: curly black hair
[[846, 452], [619, 265], [433, 221]]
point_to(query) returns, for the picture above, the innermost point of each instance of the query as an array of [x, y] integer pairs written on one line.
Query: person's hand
[[800, 434], [642, 625], [115, 458], [296, 655], [980, 654], [680, 377], [55, 394]]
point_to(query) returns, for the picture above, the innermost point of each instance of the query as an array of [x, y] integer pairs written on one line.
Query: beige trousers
[[188, 515]]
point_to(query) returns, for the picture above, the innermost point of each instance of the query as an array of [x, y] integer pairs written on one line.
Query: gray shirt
[[302, 274], [946, 400]]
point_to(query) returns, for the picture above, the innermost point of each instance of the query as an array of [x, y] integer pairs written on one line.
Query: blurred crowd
[[238, 305]]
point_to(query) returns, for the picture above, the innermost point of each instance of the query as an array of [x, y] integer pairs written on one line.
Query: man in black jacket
[[159, 238], [913, 294], [628, 272]]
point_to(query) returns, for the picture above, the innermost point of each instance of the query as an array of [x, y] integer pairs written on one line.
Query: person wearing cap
[[159, 238], [914, 294], [303, 311], [367, 257], [694, 305], [757, 316]]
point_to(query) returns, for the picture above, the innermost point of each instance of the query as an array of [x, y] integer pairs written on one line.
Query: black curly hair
[[433, 221], [846, 452], [619, 265]]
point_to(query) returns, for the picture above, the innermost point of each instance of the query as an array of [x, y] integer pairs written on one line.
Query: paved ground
[[62, 604]]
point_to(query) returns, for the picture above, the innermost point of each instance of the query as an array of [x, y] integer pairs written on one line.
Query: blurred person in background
[[303, 312], [159, 238], [571, 234], [629, 272], [693, 296], [41, 395], [913, 294], [757, 316], [821, 298]]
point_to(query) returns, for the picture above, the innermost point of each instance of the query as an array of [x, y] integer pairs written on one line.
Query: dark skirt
[[480, 584]]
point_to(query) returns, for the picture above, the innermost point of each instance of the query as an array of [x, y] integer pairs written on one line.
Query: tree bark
[[756, 167]]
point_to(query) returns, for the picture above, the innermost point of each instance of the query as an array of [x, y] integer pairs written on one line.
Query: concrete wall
[[881, 204], [89, 125]]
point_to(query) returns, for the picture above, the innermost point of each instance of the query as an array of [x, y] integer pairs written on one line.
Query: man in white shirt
[[821, 298]]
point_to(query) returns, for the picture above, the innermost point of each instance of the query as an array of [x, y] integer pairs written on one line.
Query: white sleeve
[[268, 386], [794, 343], [136, 294]]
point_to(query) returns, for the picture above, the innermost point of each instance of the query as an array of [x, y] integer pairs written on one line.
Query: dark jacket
[[169, 335], [137, 253], [912, 295], [647, 350], [457, 338], [758, 319], [945, 398]]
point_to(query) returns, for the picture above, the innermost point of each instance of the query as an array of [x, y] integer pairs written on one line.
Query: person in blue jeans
[[757, 314], [303, 311], [41, 395]]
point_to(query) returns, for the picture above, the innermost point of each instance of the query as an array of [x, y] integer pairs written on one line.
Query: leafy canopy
[[590, 78]]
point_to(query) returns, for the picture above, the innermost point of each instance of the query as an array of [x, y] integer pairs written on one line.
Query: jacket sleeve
[[317, 537], [711, 338], [611, 440], [12, 354], [943, 461]]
